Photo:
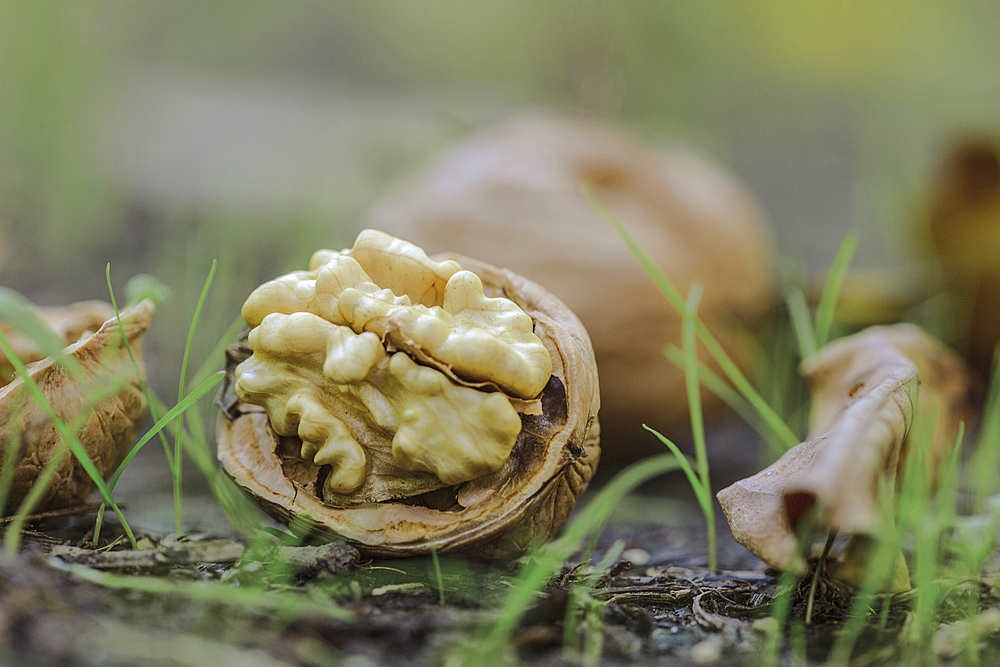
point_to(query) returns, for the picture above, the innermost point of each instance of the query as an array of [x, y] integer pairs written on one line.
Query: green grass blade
[[437, 574], [882, 564], [178, 432], [217, 356], [693, 388], [711, 381], [831, 289], [817, 573], [12, 538], [166, 419], [244, 597], [986, 457], [47, 475], [194, 325], [580, 599], [11, 452], [550, 558], [701, 492], [142, 385], [691, 382], [798, 310], [242, 514], [170, 415], [771, 652], [19, 315], [948, 493], [674, 298]]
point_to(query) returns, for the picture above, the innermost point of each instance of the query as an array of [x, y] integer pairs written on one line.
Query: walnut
[[510, 195], [405, 402], [107, 432]]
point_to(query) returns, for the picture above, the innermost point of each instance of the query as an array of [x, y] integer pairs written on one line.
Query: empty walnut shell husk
[[70, 323], [107, 432], [500, 514]]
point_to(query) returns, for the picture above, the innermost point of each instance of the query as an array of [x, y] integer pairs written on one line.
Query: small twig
[[53, 514]]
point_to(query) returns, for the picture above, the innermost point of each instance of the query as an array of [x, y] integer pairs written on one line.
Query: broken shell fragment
[[408, 403], [95, 362], [868, 389], [70, 323]]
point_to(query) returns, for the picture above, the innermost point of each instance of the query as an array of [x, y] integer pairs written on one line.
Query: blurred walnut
[[409, 402], [512, 196], [964, 220], [96, 361]]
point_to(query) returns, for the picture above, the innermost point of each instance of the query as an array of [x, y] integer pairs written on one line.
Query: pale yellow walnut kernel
[[284, 376], [402, 267], [513, 467], [434, 311], [517, 359], [288, 294], [341, 393], [350, 357], [454, 432], [477, 338], [326, 440]]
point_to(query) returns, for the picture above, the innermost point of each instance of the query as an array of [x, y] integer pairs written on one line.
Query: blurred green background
[[159, 135]]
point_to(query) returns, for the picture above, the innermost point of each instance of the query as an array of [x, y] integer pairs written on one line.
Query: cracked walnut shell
[[94, 362], [409, 404]]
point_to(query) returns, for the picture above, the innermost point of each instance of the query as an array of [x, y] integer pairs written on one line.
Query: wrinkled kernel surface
[[322, 371]]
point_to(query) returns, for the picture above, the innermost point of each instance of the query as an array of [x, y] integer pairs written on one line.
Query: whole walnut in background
[[512, 196], [964, 231]]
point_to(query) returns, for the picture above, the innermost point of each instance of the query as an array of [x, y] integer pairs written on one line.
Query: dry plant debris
[[511, 196], [867, 390], [94, 362], [409, 403]]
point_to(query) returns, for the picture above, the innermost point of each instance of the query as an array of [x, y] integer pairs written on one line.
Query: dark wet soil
[[655, 603]]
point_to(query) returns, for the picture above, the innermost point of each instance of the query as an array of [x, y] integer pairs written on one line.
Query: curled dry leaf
[[109, 427], [511, 196], [867, 389], [405, 402]]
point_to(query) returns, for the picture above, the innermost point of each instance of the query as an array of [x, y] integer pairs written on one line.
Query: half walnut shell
[[498, 514], [95, 363]]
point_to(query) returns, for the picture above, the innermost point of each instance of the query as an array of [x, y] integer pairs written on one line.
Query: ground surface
[[63, 603]]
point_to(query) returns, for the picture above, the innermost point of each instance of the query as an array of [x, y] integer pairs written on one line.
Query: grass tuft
[[677, 301], [831, 289], [548, 559], [178, 433], [692, 385]]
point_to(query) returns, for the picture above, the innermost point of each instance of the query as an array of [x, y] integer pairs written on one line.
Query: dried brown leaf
[[867, 389]]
